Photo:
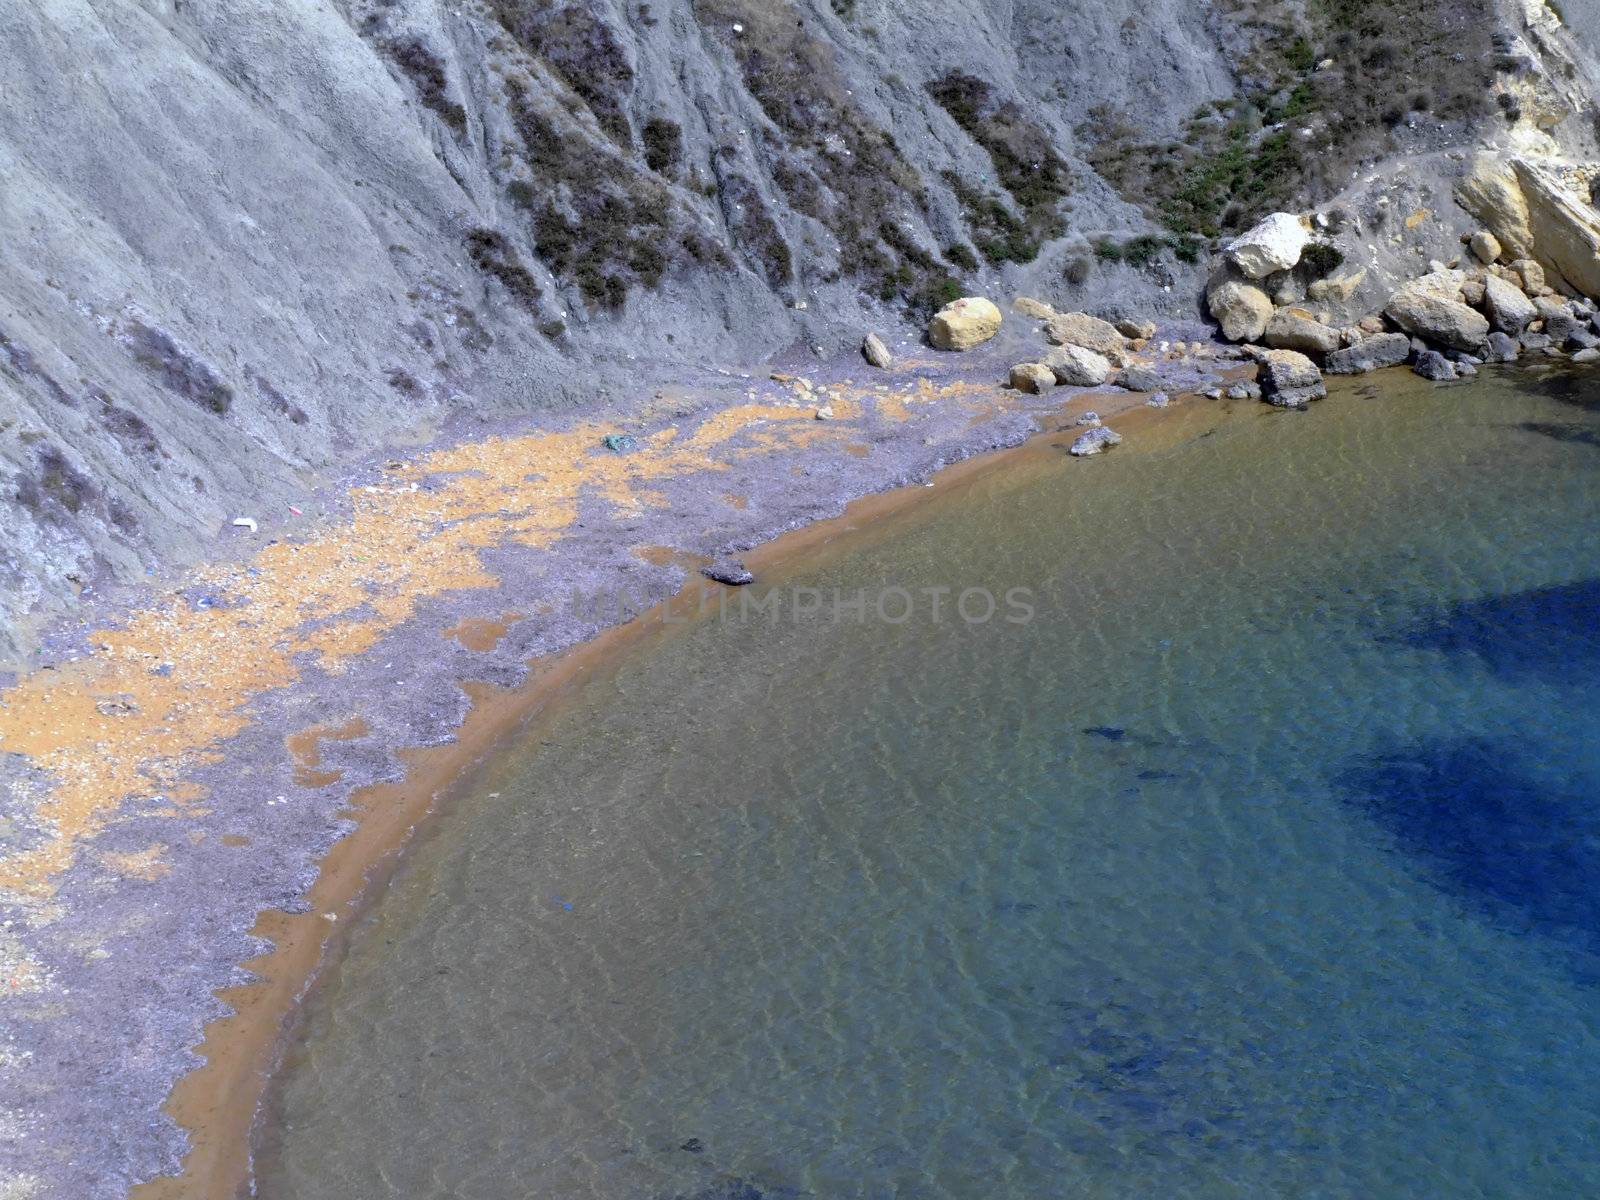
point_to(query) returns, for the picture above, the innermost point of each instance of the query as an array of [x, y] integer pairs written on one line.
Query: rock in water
[[729, 571], [1274, 245], [964, 323], [1076, 365], [1032, 377], [1289, 379], [1080, 329], [1501, 348], [1430, 315], [1242, 309], [1296, 329], [1369, 354], [1432, 365], [1093, 441], [876, 352], [1508, 309]]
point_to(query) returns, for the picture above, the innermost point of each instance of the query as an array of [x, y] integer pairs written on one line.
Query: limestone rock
[[1435, 366], [1428, 314], [1289, 379], [1508, 309], [1080, 329], [1242, 309], [1530, 275], [1094, 440], [1079, 366], [876, 352], [1136, 329], [965, 323], [1566, 227], [1033, 377], [1275, 244], [1500, 348], [1369, 354], [1336, 289], [1139, 379], [1296, 329], [1492, 193], [1371, 324], [1486, 247], [1029, 307]]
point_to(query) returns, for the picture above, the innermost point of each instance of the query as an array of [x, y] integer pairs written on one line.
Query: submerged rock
[[1432, 365], [729, 571], [965, 323], [1093, 441]]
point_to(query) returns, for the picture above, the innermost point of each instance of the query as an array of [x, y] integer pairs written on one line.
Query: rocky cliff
[[248, 242]]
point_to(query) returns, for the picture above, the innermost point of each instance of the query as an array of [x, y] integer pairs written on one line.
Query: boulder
[[1587, 356], [965, 323], [1275, 244], [1508, 309], [1534, 341], [1529, 274], [1242, 309], [876, 352], [1136, 329], [1336, 289], [1296, 329], [1032, 377], [729, 571], [1094, 440], [1139, 379], [1078, 366], [1289, 379], [1080, 329], [1485, 246], [1565, 225], [1432, 365], [1425, 312], [1492, 193], [1029, 307], [1501, 348], [1370, 354]]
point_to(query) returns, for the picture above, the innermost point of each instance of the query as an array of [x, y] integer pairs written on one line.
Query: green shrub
[[1321, 258], [663, 145]]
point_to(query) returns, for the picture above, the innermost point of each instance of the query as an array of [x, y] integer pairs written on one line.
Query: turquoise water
[[1264, 861]]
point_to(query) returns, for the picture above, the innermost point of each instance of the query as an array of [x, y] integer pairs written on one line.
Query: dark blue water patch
[[1570, 432], [1549, 632], [1111, 733], [1489, 829], [1577, 388], [737, 1189]]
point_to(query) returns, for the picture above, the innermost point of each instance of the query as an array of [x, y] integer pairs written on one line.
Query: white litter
[[246, 523]]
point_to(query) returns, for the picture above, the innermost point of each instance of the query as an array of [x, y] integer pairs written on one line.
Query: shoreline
[[372, 795]]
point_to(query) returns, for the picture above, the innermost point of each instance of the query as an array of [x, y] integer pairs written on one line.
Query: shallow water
[[1264, 861]]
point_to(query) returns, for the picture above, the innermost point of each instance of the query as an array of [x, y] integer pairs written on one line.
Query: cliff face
[[247, 242]]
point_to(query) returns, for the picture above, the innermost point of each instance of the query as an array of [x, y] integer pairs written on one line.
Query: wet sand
[[217, 778]]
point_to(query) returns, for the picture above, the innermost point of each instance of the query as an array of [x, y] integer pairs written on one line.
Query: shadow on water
[[1566, 385], [1563, 431], [1492, 832], [1552, 633]]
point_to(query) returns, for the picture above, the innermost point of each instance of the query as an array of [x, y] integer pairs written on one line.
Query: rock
[[1370, 354], [729, 571], [1336, 289], [1284, 289], [1500, 348], [1159, 400], [1508, 309], [1029, 307], [1432, 365], [1242, 309], [965, 323], [1465, 370], [1033, 377], [1530, 274], [1245, 389], [1089, 418], [1080, 329], [1587, 355], [1428, 314], [1136, 329], [1076, 365], [1296, 329], [1275, 244], [825, 413], [1549, 307], [1472, 293], [1485, 246], [1492, 193], [1534, 341], [1289, 379], [1582, 338], [1093, 441], [1371, 324], [875, 352], [1139, 379], [1565, 225], [1563, 329]]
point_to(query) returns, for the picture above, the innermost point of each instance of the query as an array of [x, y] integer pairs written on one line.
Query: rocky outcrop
[[1079, 366], [1273, 245], [1091, 333], [1369, 354], [1491, 193], [964, 323], [1289, 379], [1565, 227], [1297, 329], [1422, 309], [1242, 309]]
